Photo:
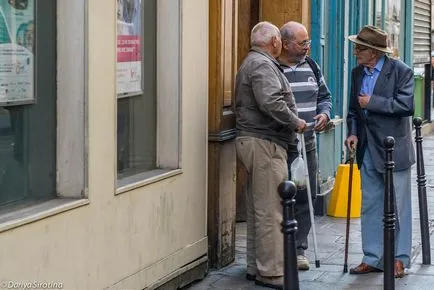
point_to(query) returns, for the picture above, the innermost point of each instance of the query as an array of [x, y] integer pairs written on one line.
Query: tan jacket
[[264, 103]]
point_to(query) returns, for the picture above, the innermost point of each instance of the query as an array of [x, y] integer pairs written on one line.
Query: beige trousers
[[266, 165]]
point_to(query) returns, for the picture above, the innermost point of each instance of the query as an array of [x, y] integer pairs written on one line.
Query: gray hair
[[262, 33]]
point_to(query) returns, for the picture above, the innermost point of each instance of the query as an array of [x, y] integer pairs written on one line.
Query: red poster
[[128, 48], [129, 61]]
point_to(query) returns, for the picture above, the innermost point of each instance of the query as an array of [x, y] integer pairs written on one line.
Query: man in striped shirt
[[313, 104]]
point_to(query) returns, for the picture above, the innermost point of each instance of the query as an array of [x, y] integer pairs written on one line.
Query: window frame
[[72, 100], [169, 121]]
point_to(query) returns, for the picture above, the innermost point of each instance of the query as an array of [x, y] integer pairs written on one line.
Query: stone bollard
[[389, 217], [287, 191], [421, 189]]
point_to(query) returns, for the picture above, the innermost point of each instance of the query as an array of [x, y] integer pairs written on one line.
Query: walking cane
[[350, 190], [309, 199]]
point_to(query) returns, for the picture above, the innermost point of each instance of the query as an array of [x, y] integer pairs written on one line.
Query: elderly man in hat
[[381, 105]]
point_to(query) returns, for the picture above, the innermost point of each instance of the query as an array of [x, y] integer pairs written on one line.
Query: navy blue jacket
[[390, 111]]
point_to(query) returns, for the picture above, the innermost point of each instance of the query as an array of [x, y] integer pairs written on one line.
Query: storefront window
[[136, 86], [392, 25], [27, 116]]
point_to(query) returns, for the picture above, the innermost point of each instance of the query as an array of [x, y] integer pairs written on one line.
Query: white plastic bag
[[298, 170]]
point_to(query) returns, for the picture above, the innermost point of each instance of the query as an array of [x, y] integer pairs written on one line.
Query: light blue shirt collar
[[377, 67]]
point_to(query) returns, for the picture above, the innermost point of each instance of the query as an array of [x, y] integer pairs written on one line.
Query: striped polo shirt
[[312, 96]]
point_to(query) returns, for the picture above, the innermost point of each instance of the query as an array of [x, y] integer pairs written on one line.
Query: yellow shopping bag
[[339, 198]]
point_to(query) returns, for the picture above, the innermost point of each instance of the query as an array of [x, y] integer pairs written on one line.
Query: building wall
[[134, 239]]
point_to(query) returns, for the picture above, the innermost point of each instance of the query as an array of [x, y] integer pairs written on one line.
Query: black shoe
[[270, 282], [250, 277]]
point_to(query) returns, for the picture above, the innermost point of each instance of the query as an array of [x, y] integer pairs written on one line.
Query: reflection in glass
[[136, 136], [136, 119], [12, 158], [378, 16], [27, 131], [392, 25]]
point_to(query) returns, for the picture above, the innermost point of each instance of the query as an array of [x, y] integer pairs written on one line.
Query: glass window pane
[[392, 25], [28, 132], [136, 128], [378, 14], [13, 181]]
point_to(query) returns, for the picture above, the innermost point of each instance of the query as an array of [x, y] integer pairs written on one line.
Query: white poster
[[129, 61], [16, 52]]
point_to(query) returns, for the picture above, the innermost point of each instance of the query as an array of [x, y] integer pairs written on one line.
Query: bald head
[[290, 30], [296, 42]]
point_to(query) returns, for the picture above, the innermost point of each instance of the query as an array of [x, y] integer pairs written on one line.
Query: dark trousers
[[301, 208]]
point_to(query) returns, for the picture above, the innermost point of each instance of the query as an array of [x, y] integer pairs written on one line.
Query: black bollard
[[287, 191], [389, 217], [421, 189]]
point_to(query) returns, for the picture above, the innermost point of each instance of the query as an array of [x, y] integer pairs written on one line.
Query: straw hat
[[372, 37]]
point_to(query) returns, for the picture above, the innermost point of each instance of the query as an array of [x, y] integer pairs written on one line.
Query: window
[[324, 34], [136, 137], [42, 109], [27, 111], [392, 25], [148, 91], [378, 21]]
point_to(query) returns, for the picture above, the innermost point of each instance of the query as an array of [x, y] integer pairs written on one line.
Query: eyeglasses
[[359, 48], [305, 43]]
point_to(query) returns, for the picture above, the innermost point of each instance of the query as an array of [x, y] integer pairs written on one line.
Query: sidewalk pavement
[[331, 243]]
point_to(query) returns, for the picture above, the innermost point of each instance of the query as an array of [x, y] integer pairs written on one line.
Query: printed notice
[[16, 52], [129, 62]]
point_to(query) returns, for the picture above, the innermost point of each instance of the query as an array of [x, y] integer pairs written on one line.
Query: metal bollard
[[389, 217], [421, 189], [287, 191]]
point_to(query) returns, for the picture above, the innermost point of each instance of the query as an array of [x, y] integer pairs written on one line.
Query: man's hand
[[364, 100], [321, 122], [302, 126], [351, 142]]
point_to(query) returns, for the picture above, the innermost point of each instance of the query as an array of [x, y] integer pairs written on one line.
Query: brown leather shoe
[[363, 269], [399, 269]]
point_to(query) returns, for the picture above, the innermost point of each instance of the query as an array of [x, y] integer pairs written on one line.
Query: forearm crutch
[[350, 191], [309, 199]]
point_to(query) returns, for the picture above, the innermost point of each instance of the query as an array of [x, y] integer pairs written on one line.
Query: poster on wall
[[16, 52], [129, 62]]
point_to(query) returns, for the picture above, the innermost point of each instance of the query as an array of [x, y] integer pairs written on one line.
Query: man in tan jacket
[[266, 121]]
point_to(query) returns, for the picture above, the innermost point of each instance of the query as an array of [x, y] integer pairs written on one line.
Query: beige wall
[[130, 240]]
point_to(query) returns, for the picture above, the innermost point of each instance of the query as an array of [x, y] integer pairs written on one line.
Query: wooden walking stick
[[350, 190]]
